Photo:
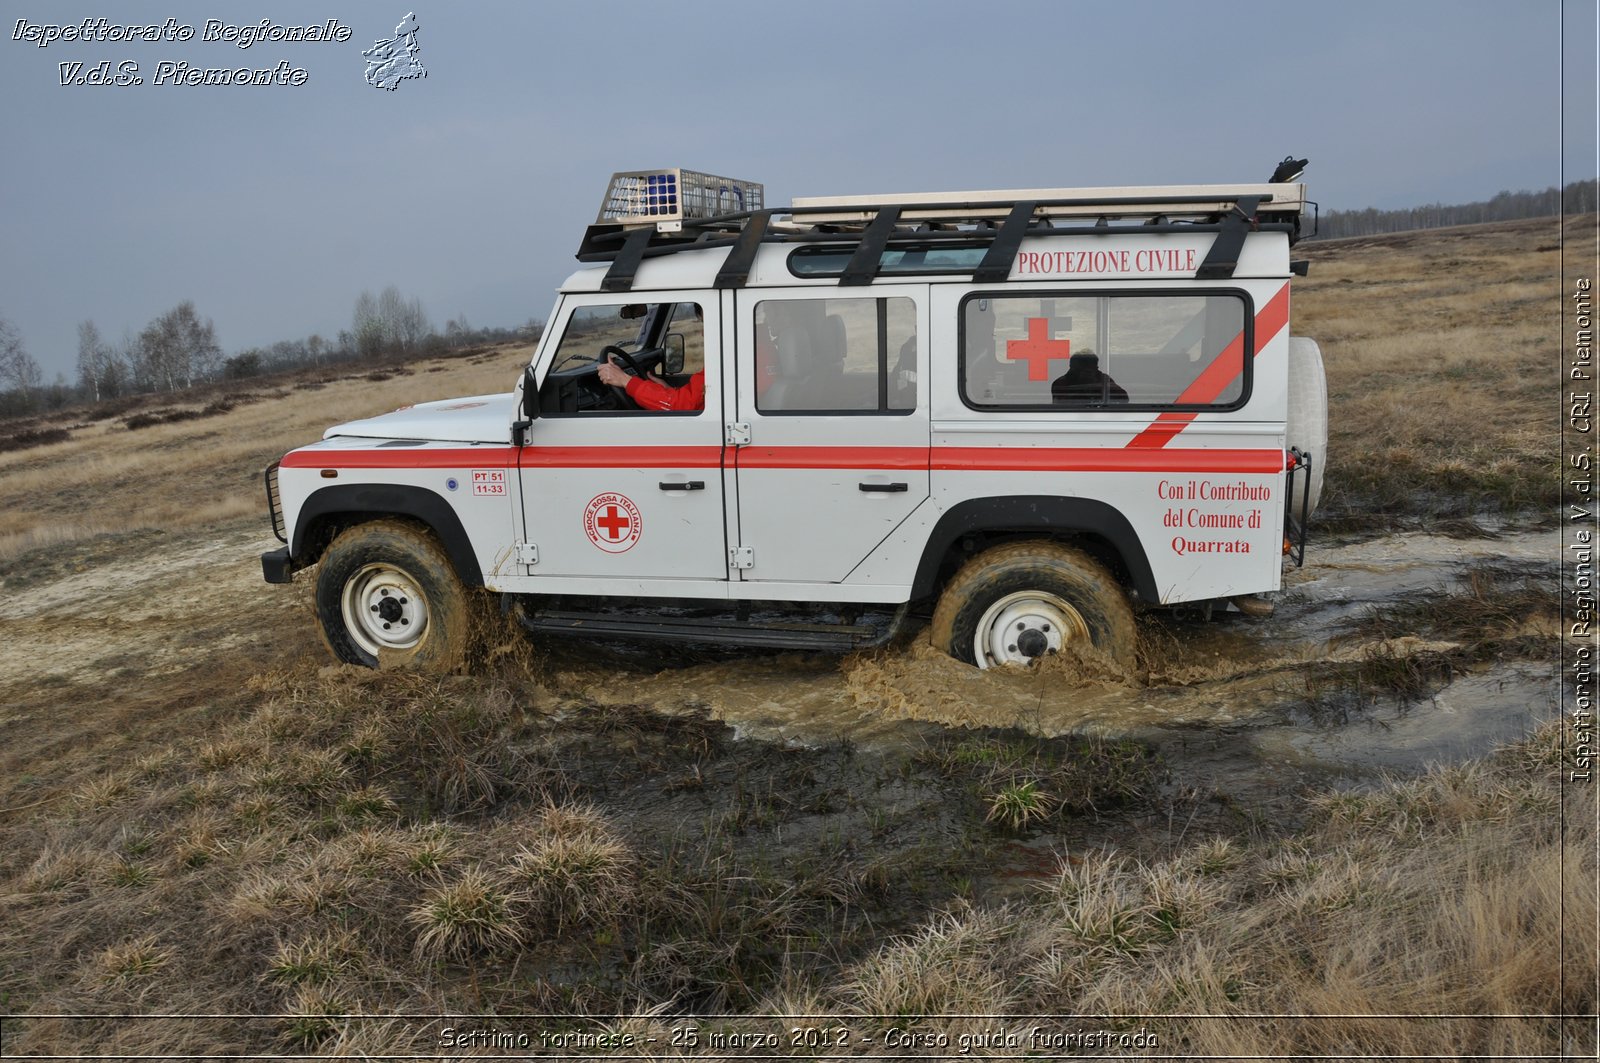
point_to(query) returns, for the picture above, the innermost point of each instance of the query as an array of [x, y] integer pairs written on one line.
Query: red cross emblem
[[1039, 350], [612, 522]]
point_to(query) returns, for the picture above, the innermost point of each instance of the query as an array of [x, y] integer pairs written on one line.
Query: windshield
[[593, 328]]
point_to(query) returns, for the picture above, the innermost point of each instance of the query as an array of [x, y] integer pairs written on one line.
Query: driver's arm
[[653, 395]]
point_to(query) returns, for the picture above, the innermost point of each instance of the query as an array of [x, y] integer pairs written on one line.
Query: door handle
[[691, 485], [887, 489]]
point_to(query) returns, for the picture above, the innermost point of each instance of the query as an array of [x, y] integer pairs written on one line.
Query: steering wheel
[[633, 367]]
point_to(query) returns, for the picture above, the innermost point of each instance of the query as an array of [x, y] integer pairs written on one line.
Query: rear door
[[837, 416]]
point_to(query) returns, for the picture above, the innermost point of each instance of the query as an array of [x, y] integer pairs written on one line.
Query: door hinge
[[742, 557], [738, 434], [527, 554]]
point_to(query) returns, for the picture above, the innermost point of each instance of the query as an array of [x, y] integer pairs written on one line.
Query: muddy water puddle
[[1227, 700]]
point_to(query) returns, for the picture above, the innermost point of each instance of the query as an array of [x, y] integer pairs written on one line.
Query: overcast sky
[[272, 207]]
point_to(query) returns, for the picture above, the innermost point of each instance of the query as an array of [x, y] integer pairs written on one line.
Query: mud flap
[[277, 566]]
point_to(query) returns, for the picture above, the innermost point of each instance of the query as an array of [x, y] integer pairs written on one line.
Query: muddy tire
[[388, 597], [1017, 602]]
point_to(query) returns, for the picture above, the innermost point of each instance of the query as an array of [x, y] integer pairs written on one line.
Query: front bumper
[[277, 566]]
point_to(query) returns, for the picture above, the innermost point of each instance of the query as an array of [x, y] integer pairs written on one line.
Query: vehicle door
[[608, 489], [837, 410]]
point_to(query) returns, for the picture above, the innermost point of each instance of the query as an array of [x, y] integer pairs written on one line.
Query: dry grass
[[335, 875], [192, 473], [1453, 893], [1441, 350]]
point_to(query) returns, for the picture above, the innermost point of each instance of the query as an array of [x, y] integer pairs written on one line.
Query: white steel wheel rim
[[383, 609], [1024, 626]]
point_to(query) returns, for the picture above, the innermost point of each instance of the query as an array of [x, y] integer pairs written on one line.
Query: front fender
[[326, 505]]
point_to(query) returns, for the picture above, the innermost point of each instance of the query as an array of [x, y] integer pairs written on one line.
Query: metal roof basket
[[665, 198]]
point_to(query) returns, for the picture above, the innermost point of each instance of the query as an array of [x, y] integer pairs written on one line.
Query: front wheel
[[388, 597], [1016, 603]]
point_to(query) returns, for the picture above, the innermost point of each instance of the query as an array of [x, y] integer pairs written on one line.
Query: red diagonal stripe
[[1219, 375]]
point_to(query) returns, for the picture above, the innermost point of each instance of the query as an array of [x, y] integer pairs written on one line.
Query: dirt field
[[1305, 814]]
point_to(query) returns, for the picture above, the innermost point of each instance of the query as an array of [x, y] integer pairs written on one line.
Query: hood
[[478, 419]]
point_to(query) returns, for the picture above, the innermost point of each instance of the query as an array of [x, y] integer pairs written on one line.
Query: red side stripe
[[1219, 374], [957, 459]]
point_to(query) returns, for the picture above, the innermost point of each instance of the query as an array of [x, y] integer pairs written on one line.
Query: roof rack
[[998, 221], [1278, 199]]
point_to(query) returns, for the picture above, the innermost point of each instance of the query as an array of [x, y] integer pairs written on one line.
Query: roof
[[997, 221]]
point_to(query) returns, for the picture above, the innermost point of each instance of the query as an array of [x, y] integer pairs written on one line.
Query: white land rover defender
[[1023, 411]]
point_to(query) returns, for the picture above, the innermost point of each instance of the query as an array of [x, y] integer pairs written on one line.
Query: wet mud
[[1234, 704], [1233, 697]]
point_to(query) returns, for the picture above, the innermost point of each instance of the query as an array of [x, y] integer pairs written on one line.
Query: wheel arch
[[330, 510], [1086, 521]]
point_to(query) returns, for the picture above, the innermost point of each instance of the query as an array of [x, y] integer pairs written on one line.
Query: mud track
[[116, 645]]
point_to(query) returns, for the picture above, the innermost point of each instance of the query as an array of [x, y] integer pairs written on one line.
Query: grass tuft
[[132, 961], [468, 916], [1017, 804], [576, 871]]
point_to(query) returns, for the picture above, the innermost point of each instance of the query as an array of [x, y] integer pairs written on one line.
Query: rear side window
[[836, 356], [1108, 351]]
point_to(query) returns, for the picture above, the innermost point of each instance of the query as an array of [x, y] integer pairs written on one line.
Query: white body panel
[[478, 419], [1201, 491]]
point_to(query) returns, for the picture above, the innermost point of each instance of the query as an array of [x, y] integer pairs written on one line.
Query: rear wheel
[[1016, 603], [388, 597]]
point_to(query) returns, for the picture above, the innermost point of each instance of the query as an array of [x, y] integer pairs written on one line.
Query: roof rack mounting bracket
[[996, 264], [619, 278], [1223, 258], [863, 265], [735, 269]]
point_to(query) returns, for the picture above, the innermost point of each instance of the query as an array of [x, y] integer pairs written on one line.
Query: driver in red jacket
[[653, 393]]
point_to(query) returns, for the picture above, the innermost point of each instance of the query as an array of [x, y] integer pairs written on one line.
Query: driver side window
[[591, 328], [662, 342]]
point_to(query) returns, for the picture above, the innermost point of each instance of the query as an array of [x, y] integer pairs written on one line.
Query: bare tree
[[18, 370], [93, 357], [413, 326], [367, 326], [178, 348], [389, 323]]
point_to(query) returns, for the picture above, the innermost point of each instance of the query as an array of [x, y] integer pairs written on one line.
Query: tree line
[[179, 349], [1578, 197]]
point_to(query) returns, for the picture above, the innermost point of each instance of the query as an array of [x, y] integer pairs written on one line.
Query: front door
[[829, 384], [610, 490]]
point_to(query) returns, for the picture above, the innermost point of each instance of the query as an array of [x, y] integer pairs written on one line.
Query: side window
[[649, 333], [836, 356], [1104, 351]]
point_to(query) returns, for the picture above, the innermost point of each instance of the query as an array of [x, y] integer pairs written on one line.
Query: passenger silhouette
[[1084, 382]]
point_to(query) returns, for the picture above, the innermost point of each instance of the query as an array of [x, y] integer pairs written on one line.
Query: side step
[[718, 631]]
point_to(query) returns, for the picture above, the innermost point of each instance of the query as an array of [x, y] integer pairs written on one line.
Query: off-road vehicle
[[1021, 413]]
